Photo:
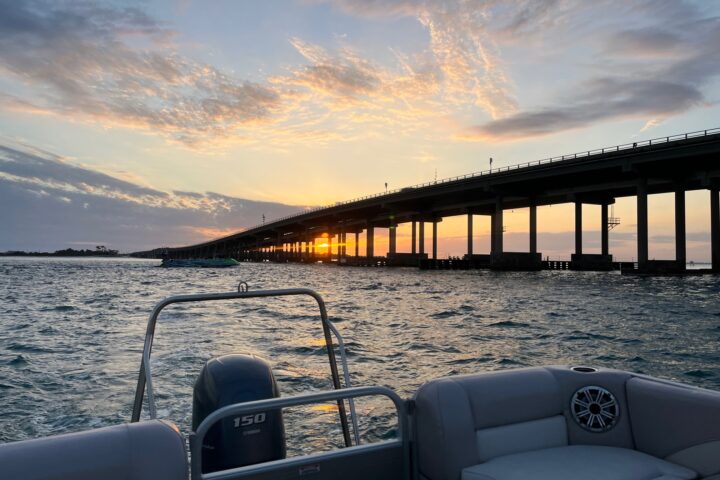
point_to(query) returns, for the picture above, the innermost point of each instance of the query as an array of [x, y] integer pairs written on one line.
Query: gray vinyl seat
[[573, 462], [517, 424], [152, 450]]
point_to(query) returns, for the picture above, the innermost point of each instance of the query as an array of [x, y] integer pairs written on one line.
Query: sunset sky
[[148, 123]]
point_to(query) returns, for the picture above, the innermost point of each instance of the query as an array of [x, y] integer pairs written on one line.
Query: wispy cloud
[[649, 73], [461, 47], [124, 68], [345, 75], [603, 99], [79, 55], [56, 203]]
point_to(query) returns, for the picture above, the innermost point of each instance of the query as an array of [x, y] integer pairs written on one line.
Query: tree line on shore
[[100, 251]]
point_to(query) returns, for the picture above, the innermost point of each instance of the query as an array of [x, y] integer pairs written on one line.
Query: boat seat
[[573, 462], [518, 423], [152, 450]]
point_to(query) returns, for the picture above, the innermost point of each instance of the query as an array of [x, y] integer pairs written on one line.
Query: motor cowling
[[236, 441]]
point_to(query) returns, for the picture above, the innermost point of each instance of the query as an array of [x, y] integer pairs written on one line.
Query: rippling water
[[71, 333]]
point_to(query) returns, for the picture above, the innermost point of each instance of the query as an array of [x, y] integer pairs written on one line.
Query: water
[[71, 333]]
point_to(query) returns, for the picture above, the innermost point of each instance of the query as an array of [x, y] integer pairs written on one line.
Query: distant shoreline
[[99, 251]]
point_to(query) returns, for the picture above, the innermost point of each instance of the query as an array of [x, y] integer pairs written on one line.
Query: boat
[[199, 262], [550, 422]]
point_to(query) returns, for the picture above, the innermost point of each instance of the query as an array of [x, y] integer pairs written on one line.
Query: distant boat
[[199, 262]]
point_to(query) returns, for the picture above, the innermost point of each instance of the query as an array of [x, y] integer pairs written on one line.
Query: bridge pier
[[370, 243], [645, 265], [469, 234], [578, 228], [642, 224], [421, 237], [533, 228], [496, 230], [680, 234], [342, 245], [604, 230], [392, 234], [715, 228], [357, 244], [585, 261], [413, 249], [434, 239]]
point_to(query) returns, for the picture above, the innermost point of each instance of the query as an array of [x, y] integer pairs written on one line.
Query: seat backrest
[[677, 422], [153, 450], [466, 420]]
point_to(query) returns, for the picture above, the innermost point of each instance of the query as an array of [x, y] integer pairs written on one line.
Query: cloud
[[346, 75], [649, 73], [79, 55], [341, 95], [121, 67], [605, 99], [665, 49], [651, 42], [56, 204], [461, 46]]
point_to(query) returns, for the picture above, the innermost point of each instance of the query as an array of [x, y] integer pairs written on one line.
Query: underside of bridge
[[671, 165]]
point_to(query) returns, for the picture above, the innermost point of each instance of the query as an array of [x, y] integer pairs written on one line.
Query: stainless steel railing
[[329, 329], [264, 469]]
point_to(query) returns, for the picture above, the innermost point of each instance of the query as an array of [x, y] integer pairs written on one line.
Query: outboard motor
[[246, 439]]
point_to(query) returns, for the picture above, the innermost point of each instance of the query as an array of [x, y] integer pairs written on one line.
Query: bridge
[[674, 164]]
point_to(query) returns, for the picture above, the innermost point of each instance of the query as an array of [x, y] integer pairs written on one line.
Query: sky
[[138, 124]]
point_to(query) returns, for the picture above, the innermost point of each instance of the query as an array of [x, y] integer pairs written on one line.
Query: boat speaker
[[237, 441], [594, 408]]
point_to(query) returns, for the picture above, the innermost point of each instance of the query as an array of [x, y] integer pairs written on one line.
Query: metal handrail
[[197, 437], [145, 374]]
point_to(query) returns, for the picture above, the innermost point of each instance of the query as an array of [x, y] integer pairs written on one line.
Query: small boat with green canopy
[[199, 262]]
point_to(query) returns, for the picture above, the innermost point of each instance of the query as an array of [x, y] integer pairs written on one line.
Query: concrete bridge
[[674, 164]]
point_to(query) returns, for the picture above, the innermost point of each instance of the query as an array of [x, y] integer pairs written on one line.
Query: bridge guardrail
[[572, 156]]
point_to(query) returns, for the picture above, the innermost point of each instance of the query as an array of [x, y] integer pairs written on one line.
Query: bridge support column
[[414, 238], [642, 223], [421, 237], [578, 228], [470, 234], [533, 228], [392, 234], [680, 237], [340, 244], [370, 247], [715, 228], [496, 229], [357, 244], [434, 240], [604, 230]]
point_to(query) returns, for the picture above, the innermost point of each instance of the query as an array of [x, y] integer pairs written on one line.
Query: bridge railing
[[572, 156]]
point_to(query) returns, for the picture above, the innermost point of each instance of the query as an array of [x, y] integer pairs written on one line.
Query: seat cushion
[[587, 462], [152, 450], [521, 437]]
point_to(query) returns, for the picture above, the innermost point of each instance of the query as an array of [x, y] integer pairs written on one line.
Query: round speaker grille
[[594, 409]]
